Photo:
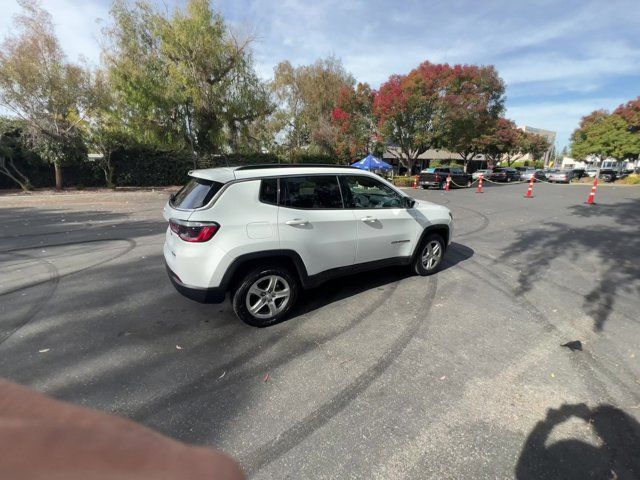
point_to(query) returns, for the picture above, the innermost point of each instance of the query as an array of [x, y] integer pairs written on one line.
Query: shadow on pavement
[[616, 457], [618, 272]]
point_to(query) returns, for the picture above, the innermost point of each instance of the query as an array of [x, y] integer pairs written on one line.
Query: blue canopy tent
[[372, 163]]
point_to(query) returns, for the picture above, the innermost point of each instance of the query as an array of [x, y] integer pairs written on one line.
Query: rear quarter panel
[[246, 226]]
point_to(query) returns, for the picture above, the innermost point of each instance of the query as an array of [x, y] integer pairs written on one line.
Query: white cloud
[[76, 24]]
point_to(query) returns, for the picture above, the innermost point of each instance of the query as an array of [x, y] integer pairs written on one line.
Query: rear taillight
[[194, 232]]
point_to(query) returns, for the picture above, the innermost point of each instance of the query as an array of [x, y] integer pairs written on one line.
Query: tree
[[39, 86], [472, 101], [505, 143], [407, 109], [501, 142], [534, 145], [630, 113], [11, 148], [104, 129], [186, 79], [306, 97], [356, 134], [604, 135], [435, 106]]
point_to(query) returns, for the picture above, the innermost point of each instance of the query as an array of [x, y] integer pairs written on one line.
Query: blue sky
[[560, 59]]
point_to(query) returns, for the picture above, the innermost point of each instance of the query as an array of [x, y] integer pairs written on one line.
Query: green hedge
[[139, 167]]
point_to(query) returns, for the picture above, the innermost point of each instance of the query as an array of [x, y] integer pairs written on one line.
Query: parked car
[[559, 176], [591, 172], [262, 233], [540, 175], [578, 173], [486, 173], [527, 174], [608, 175], [505, 174], [437, 177]]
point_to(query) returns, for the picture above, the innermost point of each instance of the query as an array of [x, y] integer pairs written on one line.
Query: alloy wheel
[[268, 296], [431, 255]]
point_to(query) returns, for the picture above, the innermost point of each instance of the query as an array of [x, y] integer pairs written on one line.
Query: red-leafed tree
[[409, 111], [630, 112], [437, 105], [473, 99], [356, 134]]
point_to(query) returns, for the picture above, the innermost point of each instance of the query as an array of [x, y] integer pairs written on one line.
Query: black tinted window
[[310, 192], [195, 194], [366, 192], [269, 191]]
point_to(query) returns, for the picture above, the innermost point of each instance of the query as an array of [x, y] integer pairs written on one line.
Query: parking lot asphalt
[[379, 375]]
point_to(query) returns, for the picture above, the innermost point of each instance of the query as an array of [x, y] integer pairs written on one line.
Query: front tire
[[429, 256], [265, 296]]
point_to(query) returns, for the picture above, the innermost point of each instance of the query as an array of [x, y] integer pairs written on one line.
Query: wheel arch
[[248, 261], [440, 229]]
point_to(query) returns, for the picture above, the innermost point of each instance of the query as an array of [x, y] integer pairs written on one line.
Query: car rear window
[[195, 194]]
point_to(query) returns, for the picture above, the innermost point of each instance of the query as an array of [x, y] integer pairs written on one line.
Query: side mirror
[[409, 202], [172, 197]]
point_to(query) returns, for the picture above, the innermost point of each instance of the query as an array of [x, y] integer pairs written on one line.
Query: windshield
[[195, 194]]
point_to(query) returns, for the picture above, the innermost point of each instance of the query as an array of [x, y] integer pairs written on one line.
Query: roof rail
[[291, 165]]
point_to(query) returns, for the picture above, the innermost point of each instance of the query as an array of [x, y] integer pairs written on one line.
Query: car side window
[[361, 191], [310, 192], [269, 191]]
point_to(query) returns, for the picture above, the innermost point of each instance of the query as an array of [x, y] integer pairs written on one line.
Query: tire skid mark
[[209, 378], [485, 222], [97, 228], [52, 281], [298, 432], [131, 245], [586, 362], [594, 364]]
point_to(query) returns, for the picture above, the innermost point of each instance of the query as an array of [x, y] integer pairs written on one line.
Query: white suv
[[263, 232]]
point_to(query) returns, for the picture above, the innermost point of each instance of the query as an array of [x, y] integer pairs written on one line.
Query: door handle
[[369, 219], [297, 221]]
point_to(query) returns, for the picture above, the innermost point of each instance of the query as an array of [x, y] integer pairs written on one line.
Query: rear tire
[[429, 256], [265, 295]]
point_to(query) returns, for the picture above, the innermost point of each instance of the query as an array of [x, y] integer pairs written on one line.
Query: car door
[[386, 228], [459, 177], [313, 222]]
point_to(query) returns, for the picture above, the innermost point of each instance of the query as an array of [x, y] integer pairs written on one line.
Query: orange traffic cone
[[592, 196], [530, 190], [447, 186], [415, 182], [479, 190]]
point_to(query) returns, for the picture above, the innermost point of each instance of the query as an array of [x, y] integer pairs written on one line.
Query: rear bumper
[[202, 295]]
